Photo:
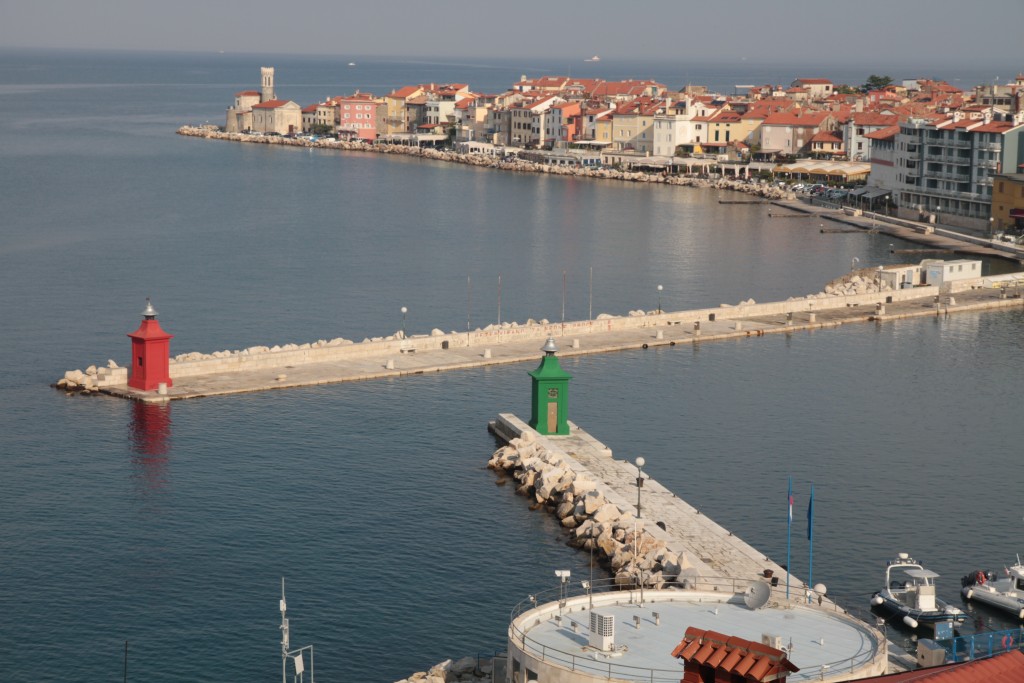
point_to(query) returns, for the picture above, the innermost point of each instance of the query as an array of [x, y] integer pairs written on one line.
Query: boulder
[[464, 666], [581, 486], [607, 513], [592, 501], [606, 544], [439, 670], [111, 364]]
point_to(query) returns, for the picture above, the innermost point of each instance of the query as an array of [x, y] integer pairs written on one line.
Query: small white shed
[[942, 272]]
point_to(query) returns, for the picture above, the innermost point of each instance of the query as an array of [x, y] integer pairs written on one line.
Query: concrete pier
[[668, 546], [715, 551], [260, 368]]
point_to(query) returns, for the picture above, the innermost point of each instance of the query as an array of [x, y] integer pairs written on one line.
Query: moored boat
[[1003, 592], [909, 594]]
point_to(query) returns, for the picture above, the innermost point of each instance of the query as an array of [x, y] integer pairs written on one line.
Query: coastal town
[[919, 149]]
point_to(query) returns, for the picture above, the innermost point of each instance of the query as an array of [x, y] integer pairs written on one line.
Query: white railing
[[874, 651]]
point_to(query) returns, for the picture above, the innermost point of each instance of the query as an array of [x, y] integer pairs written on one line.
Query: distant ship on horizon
[[595, 58]]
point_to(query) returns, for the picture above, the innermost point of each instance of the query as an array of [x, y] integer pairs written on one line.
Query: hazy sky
[[878, 31]]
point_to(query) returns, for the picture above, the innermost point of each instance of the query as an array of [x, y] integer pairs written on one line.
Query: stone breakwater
[[448, 671], [598, 519], [278, 357], [490, 161]]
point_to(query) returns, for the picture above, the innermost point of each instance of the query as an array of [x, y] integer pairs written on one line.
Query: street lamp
[[660, 288], [404, 311], [640, 462]]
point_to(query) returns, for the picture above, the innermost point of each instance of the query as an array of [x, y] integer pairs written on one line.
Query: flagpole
[[789, 533], [810, 541]]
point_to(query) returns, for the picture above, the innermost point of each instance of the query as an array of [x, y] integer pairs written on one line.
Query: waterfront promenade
[[396, 357]]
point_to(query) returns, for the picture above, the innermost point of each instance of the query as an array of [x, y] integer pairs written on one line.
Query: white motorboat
[[1003, 592], [909, 593]]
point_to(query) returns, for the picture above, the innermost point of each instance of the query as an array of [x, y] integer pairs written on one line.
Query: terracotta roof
[[826, 136], [1004, 668], [886, 133], [405, 92], [726, 116], [814, 81], [248, 93], [870, 118], [270, 104], [310, 109], [732, 655], [798, 117], [994, 127]]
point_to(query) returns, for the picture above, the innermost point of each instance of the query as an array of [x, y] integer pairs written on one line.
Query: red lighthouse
[[151, 353]]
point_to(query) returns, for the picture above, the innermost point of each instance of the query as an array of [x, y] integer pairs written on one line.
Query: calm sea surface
[[171, 527]]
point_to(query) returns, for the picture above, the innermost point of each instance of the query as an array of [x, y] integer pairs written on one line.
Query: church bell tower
[[267, 84]]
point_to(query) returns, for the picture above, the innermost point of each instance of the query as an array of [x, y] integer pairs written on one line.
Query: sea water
[[170, 527]]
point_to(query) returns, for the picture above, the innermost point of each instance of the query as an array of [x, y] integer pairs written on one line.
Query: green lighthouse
[[550, 395]]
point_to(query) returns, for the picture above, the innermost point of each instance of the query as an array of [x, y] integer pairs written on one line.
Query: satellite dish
[[757, 595]]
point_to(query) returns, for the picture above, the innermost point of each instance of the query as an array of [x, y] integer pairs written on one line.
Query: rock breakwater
[[596, 521]]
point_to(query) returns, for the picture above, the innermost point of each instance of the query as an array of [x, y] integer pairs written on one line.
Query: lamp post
[[640, 462], [660, 288], [404, 311]]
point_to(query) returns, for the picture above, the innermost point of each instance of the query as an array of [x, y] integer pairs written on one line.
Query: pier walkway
[[668, 329], [934, 238], [718, 561]]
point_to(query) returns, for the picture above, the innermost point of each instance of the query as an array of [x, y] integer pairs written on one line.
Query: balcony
[[957, 177], [987, 164], [990, 146]]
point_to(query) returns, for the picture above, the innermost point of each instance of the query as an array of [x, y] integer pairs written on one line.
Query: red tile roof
[[732, 655], [826, 136], [248, 93], [798, 117], [270, 104], [405, 92], [814, 81], [870, 118], [1005, 668], [886, 133]]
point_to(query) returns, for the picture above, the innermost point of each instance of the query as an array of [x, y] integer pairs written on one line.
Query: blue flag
[[810, 515]]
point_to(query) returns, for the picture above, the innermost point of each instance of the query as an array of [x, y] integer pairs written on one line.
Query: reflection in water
[[150, 431]]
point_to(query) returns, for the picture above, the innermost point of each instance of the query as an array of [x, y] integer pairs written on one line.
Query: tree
[[845, 90], [877, 82], [321, 129]]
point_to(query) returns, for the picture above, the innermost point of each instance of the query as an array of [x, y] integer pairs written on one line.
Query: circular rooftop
[[550, 635]]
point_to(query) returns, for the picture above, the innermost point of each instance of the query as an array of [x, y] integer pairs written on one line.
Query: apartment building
[[946, 167]]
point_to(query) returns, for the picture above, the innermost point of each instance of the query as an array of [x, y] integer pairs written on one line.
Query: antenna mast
[[284, 634]]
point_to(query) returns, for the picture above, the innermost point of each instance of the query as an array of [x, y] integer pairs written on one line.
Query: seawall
[[259, 368]]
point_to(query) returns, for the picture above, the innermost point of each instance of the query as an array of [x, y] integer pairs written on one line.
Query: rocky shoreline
[[488, 161]]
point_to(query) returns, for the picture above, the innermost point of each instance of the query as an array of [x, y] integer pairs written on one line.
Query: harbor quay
[[679, 578], [259, 368]]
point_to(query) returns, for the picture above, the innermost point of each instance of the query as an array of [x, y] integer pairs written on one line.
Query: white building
[[630, 635]]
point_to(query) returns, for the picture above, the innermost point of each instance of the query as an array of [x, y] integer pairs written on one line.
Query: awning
[[1016, 213]]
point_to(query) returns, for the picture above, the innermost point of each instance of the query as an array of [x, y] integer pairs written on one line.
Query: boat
[[1003, 592], [909, 593], [351, 63], [595, 58]]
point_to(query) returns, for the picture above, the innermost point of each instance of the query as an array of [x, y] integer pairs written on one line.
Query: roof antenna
[[294, 655]]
